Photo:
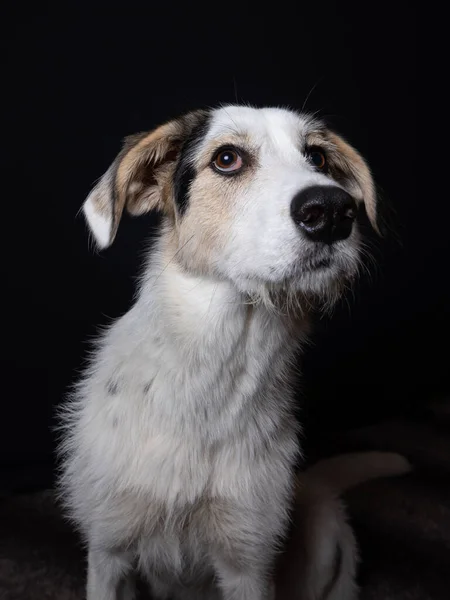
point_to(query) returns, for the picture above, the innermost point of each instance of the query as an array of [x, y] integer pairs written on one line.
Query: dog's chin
[[316, 286], [323, 287]]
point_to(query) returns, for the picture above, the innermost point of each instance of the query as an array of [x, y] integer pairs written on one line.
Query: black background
[[78, 81]]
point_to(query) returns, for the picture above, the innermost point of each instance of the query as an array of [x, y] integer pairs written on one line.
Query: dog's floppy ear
[[357, 173], [137, 178]]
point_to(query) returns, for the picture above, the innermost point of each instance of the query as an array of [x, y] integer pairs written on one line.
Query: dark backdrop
[[77, 82]]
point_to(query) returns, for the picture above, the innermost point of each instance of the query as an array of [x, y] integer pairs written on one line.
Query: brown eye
[[317, 157], [227, 161]]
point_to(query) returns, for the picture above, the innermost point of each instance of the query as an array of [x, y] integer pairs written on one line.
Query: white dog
[[180, 443]]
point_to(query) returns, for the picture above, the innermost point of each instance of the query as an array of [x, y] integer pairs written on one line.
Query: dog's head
[[265, 198]]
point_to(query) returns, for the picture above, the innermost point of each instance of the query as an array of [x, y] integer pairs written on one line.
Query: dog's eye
[[317, 157], [227, 161]]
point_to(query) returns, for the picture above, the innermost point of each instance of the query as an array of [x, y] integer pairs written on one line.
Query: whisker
[[311, 91]]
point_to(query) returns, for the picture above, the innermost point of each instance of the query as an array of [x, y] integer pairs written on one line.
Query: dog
[[180, 442]]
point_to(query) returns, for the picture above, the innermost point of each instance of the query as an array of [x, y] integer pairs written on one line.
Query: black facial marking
[[185, 172]]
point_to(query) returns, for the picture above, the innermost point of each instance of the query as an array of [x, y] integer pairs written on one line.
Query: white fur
[[183, 409], [101, 226], [180, 440]]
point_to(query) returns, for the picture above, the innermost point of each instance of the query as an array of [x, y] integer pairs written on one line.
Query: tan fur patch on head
[[146, 167], [214, 200]]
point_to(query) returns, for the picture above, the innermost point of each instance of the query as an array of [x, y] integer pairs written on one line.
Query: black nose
[[324, 213]]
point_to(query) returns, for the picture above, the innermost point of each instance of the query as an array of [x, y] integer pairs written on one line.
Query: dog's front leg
[[109, 576]]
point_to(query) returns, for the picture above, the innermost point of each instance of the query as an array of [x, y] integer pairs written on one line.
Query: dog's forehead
[[276, 125]]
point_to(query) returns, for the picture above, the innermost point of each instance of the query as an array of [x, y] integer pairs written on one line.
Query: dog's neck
[[199, 343], [211, 354], [202, 315]]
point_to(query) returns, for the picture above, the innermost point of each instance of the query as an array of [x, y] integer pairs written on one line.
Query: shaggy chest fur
[[189, 420]]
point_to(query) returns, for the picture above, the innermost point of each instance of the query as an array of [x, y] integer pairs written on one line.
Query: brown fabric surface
[[403, 524]]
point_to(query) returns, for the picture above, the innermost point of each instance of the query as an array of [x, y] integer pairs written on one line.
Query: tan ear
[[357, 174], [136, 179]]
